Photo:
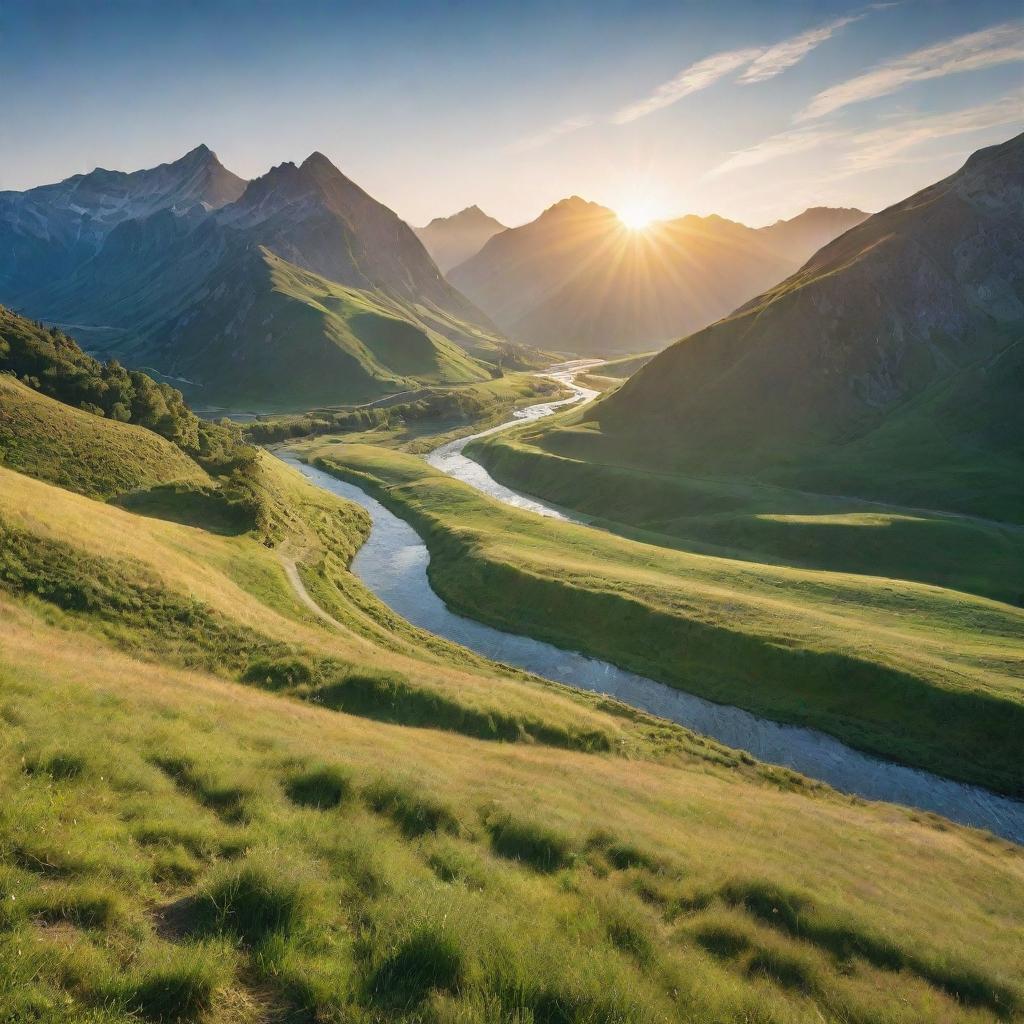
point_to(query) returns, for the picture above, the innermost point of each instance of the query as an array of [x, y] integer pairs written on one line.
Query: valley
[[600, 604], [395, 564]]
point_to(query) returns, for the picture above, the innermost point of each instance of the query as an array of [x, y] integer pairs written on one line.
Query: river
[[393, 564]]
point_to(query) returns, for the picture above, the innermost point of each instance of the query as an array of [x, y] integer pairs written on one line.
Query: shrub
[[530, 842], [322, 787]]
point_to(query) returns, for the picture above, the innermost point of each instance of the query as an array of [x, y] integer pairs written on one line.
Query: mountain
[[800, 237], [890, 366], [578, 279], [285, 297], [46, 231], [452, 240]]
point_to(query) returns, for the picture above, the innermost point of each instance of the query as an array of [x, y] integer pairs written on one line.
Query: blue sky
[[753, 110]]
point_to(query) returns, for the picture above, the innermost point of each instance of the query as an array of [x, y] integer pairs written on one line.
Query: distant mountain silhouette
[[578, 279], [452, 240]]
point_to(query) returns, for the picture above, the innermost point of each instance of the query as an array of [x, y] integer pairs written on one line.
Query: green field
[[239, 789], [454, 842], [923, 674], [762, 522]]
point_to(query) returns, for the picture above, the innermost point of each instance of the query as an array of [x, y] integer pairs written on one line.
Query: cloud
[[797, 140], [999, 44], [885, 146], [880, 147], [784, 55], [690, 80], [549, 134], [760, 63]]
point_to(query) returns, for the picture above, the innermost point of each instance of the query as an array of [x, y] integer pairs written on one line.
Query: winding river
[[393, 564]]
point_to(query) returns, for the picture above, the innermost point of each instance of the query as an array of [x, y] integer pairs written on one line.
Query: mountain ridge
[[576, 278], [152, 279], [452, 240], [887, 365]]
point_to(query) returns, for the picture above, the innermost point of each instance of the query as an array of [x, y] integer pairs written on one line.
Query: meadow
[[919, 673], [222, 806]]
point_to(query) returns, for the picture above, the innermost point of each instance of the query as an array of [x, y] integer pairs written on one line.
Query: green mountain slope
[[80, 451], [272, 334], [174, 289], [891, 367]]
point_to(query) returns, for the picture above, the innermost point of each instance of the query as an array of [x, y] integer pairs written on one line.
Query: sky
[[750, 109]]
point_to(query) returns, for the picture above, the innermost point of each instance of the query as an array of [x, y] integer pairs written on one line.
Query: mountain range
[[294, 289], [452, 240], [890, 366], [577, 279]]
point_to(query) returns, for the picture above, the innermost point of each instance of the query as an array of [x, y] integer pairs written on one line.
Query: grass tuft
[[530, 842], [322, 786], [414, 813], [180, 988], [61, 766], [251, 902], [430, 960]]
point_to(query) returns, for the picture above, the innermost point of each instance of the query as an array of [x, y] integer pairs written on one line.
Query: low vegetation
[[406, 421], [451, 879], [928, 676], [221, 807]]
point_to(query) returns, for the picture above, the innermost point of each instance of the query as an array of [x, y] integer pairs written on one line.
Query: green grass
[[760, 522], [84, 452], [320, 342], [918, 673], [219, 808], [353, 915], [529, 842], [322, 787]]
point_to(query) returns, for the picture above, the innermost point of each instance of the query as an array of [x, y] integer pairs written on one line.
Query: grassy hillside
[[83, 452], [889, 367], [928, 676], [318, 342], [186, 848], [238, 789], [762, 522]]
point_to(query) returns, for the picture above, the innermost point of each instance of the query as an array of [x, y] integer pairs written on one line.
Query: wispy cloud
[[784, 55], [690, 80], [761, 64], [549, 134], [999, 44], [885, 146], [880, 147], [797, 140]]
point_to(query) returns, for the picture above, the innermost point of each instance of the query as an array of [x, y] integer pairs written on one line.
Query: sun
[[636, 214]]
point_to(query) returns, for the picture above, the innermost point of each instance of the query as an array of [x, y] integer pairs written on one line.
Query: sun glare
[[636, 214]]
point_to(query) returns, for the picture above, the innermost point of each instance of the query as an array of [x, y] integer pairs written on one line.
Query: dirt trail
[[291, 570]]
